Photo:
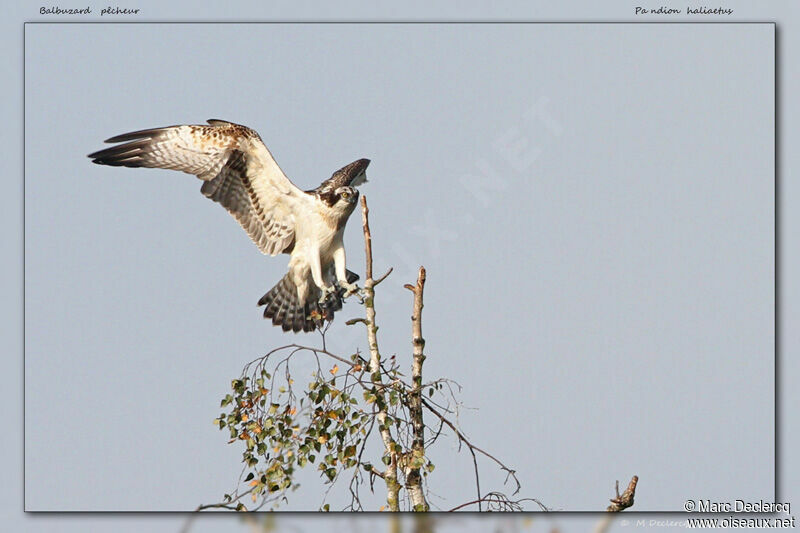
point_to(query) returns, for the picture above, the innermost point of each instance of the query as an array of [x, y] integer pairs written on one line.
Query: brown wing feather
[[232, 189], [238, 170]]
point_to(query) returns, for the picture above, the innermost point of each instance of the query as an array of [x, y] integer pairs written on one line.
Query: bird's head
[[345, 199], [346, 194]]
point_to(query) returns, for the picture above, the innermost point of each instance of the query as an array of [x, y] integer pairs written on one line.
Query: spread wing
[[237, 169]]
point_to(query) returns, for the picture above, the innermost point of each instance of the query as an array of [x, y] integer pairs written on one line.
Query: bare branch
[[380, 279], [390, 476], [622, 502], [497, 501], [477, 478], [413, 477], [367, 239]]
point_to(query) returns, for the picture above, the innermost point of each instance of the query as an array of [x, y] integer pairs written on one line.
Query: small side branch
[[622, 502], [510, 473], [380, 279], [497, 501]]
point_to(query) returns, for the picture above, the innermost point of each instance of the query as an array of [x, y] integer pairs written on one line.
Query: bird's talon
[[358, 292], [349, 288]]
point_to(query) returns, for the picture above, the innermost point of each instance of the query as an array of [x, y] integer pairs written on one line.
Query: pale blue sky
[[573, 336]]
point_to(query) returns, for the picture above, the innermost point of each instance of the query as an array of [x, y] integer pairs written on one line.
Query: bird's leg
[[316, 274], [341, 272], [325, 292]]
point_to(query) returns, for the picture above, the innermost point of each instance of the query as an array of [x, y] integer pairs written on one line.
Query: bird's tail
[[286, 310]]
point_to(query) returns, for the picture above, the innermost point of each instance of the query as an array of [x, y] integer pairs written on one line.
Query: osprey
[[239, 173]]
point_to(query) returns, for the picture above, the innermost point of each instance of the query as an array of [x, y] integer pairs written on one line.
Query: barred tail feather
[[283, 307]]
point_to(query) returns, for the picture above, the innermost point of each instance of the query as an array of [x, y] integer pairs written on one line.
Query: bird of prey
[[239, 173]]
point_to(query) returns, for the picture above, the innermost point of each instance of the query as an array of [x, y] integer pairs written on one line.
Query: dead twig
[[510, 473], [622, 502]]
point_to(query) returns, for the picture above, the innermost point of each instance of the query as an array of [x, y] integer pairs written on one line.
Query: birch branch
[[390, 476], [413, 477]]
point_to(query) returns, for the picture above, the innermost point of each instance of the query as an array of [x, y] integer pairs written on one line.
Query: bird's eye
[[345, 195]]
